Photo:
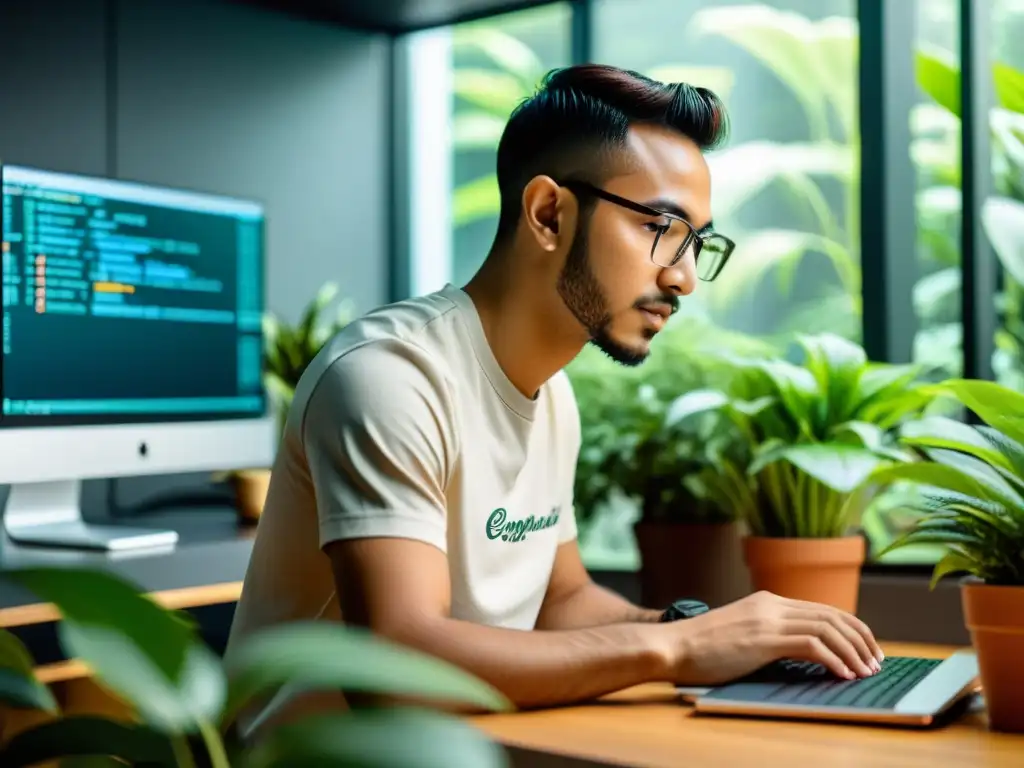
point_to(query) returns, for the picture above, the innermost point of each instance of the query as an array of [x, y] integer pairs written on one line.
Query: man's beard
[[583, 296]]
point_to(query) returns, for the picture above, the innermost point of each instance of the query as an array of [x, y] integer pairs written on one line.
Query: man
[[423, 487]]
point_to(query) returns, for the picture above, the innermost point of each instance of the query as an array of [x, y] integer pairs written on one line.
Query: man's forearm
[[592, 606], [538, 668]]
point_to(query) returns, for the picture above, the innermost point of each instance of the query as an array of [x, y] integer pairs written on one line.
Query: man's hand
[[737, 639]]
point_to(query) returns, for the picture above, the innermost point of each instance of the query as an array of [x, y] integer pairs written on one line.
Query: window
[[935, 152], [1002, 212], [464, 82], [785, 187]]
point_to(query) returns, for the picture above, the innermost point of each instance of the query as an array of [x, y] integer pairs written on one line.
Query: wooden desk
[[647, 727]]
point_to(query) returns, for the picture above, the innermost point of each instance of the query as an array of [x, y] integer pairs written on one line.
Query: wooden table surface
[[649, 727]]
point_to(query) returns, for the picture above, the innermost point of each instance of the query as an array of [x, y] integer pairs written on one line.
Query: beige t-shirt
[[405, 425]]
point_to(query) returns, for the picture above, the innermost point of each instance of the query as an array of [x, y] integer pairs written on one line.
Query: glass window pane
[[785, 188], [935, 152], [1003, 213], [464, 83]]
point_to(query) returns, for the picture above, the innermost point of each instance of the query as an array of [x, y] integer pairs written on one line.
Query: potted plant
[[182, 701], [681, 473], [288, 350], [971, 483], [815, 430]]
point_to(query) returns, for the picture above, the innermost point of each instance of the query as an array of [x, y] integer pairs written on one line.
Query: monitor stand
[[50, 515]]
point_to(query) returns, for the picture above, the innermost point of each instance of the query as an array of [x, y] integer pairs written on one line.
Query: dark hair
[[581, 115]]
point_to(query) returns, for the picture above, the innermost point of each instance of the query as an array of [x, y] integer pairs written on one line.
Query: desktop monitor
[[132, 344]]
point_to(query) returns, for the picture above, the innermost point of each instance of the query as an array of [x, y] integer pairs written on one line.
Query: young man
[[423, 487]]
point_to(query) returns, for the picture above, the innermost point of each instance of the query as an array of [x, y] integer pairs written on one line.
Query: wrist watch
[[683, 609]]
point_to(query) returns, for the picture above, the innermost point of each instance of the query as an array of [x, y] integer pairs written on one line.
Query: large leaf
[[693, 402], [1003, 219], [84, 736], [493, 92], [1009, 86], [943, 432], [930, 474], [476, 130], [995, 404], [842, 468], [505, 51], [388, 738], [320, 655], [837, 43], [939, 76], [758, 253], [782, 41], [744, 170], [135, 647], [18, 684]]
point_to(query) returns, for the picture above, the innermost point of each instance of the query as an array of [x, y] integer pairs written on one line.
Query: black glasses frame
[[693, 235]]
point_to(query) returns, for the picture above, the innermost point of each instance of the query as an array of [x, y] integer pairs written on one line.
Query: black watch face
[[684, 609]]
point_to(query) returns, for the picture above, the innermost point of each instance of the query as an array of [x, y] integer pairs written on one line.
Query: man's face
[[610, 282]]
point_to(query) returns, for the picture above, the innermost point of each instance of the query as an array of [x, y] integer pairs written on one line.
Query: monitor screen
[[127, 303]]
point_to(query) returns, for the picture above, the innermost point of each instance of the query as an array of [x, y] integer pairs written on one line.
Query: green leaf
[[506, 52], [317, 655], [14, 655], [693, 402], [758, 253], [136, 648], [929, 473], [388, 738], [951, 562], [23, 691], [784, 42], [1003, 219], [475, 200], [476, 130], [943, 432], [1009, 86], [496, 93], [996, 486], [997, 405], [939, 77], [87, 735], [842, 468]]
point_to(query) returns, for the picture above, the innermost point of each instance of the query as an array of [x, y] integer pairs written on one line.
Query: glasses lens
[[669, 249], [713, 253]]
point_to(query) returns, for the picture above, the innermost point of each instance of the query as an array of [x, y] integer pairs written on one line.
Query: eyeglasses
[[674, 237]]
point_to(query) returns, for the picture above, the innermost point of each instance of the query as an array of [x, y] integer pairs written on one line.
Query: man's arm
[[399, 589], [574, 601]]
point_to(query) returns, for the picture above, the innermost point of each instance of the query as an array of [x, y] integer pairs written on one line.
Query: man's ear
[[548, 211]]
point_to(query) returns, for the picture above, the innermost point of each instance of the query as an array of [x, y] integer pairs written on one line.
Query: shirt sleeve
[[568, 416], [377, 439]]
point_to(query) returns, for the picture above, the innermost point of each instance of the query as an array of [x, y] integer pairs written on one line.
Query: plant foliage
[[186, 700], [812, 431], [971, 483]]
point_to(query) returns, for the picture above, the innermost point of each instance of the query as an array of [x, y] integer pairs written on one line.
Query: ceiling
[[394, 16]]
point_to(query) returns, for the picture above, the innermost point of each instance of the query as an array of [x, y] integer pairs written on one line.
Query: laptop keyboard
[[812, 685]]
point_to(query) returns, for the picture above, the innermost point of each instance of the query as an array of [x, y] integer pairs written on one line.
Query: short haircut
[[578, 120]]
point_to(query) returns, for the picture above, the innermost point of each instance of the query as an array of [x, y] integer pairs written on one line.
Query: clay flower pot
[[696, 560], [994, 615], [251, 488], [818, 570]]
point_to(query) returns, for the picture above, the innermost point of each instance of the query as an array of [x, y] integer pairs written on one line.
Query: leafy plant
[[971, 484], [289, 349], [631, 446], [185, 701], [814, 431]]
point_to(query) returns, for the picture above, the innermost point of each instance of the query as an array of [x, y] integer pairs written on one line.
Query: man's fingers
[[837, 620], [848, 619], [811, 648], [835, 640]]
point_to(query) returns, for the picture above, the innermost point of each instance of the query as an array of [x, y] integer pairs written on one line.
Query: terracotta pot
[[995, 618], [818, 570], [251, 488], [703, 561]]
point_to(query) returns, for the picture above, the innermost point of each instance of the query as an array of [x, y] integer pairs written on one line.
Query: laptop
[[909, 691]]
